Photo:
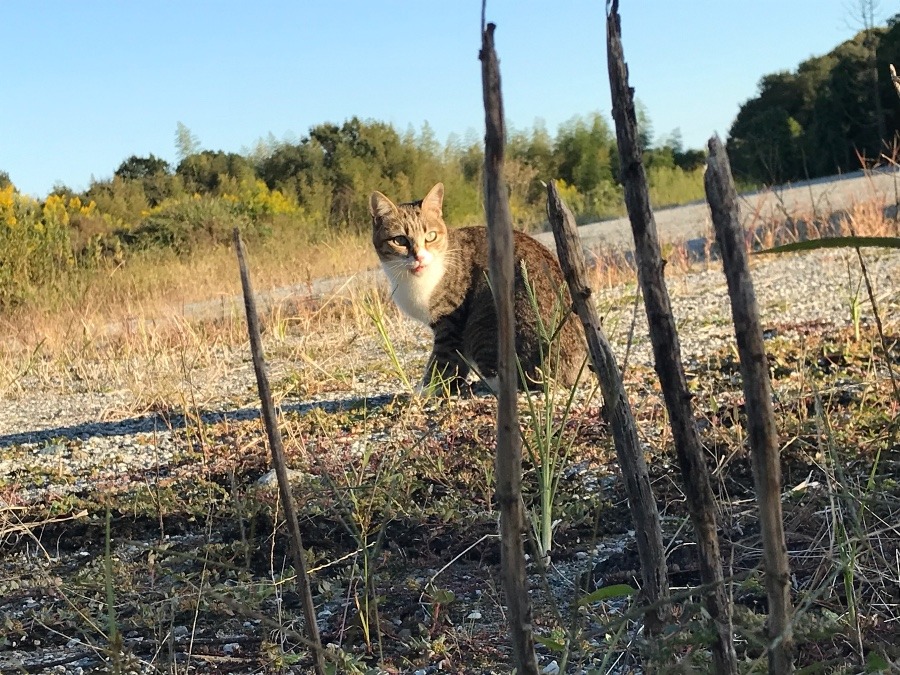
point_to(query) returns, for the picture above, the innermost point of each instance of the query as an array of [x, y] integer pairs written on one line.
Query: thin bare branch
[[274, 435], [509, 442]]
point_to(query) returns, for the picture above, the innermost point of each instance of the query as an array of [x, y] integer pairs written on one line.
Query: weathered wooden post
[[617, 411], [509, 441], [667, 348], [723, 205]]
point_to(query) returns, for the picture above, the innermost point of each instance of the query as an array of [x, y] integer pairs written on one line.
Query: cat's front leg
[[446, 369]]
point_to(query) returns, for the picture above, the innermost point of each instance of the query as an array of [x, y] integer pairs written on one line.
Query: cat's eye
[[400, 241], [431, 236]]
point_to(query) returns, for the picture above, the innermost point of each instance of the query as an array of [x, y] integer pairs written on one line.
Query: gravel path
[[816, 197], [100, 430], [79, 436], [65, 435]]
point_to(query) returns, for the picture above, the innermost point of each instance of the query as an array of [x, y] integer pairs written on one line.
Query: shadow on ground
[[159, 422]]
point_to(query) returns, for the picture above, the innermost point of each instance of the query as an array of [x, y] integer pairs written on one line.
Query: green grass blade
[[834, 242], [606, 593]]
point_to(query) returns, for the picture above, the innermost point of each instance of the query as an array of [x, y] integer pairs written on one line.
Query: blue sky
[[87, 84]]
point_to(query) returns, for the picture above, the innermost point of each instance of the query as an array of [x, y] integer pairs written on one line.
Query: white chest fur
[[412, 292]]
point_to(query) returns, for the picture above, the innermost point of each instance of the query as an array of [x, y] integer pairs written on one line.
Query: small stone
[[551, 668], [270, 478]]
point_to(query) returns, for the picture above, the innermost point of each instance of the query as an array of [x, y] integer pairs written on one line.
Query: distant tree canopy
[[319, 184], [825, 116]]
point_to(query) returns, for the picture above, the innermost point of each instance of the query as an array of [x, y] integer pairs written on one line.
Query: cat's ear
[[434, 201], [381, 207]]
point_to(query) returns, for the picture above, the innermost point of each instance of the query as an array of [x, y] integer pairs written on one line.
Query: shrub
[[674, 185], [34, 243], [185, 223]]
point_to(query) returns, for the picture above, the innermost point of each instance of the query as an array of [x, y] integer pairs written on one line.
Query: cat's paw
[[440, 386]]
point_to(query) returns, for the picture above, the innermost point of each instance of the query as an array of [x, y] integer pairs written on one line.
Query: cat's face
[[409, 238]]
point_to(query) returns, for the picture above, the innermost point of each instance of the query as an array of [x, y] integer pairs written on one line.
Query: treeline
[[323, 179], [832, 115], [317, 185]]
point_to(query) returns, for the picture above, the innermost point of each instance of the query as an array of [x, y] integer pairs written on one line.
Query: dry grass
[[131, 324], [397, 492]]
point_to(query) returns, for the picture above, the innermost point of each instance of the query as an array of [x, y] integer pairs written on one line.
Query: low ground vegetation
[[147, 539]]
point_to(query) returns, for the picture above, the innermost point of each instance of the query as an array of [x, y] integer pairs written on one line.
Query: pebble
[[551, 668]]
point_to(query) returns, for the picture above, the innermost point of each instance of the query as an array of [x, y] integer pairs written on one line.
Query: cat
[[438, 276]]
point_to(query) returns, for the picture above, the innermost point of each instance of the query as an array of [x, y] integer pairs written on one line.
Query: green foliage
[[607, 593], [153, 174], [137, 168], [318, 185], [185, 223], [34, 243], [673, 185], [121, 202], [835, 242], [584, 152], [210, 172], [821, 118]]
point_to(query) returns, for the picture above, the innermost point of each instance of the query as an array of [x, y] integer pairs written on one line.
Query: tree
[[819, 119], [865, 13], [186, 143], [210, 172], [582, 152], [888, 52], [645, 125], [153, 174], [137, 168]]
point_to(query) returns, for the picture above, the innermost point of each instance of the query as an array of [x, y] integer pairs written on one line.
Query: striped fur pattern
[[438, 276]]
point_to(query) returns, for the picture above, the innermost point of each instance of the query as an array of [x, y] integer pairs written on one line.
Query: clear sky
[[87, 84]]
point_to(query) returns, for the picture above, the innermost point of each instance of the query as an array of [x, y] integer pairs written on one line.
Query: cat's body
[[438, 276]]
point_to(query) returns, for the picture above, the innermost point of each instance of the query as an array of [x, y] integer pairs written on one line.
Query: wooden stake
[[667, 349], [271, 422], [509, 442], [617, 412], [723, 204]]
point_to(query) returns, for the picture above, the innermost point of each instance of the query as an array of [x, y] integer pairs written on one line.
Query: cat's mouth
[[417, 268]]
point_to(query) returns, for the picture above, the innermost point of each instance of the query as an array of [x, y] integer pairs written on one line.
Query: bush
[[34, 243], [673, 185], [186, 223]]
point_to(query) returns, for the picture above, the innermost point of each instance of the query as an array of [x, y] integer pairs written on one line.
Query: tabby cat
[[438, 276]]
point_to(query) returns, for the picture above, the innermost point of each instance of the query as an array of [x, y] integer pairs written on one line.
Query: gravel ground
[[817, 197], [92, 436], [63, 434], [58, 440]]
